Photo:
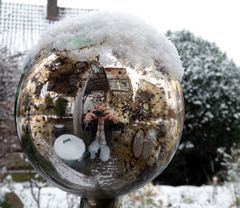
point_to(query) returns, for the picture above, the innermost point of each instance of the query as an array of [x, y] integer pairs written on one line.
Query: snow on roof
[[22, 24], [113, 34]]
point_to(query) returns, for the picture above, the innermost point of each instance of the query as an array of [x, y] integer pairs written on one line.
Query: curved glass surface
[[97, 131]]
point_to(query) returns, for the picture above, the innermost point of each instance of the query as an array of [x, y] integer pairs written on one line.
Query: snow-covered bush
[[211, 92], [148, 196], [232, 163]]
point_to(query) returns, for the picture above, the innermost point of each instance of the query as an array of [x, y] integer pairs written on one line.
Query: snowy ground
[[150, 196]]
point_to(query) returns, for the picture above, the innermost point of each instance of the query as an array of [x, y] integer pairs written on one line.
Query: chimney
[[52, 10]]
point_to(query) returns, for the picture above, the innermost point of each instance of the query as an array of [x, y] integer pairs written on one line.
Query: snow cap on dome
[[134, 42]]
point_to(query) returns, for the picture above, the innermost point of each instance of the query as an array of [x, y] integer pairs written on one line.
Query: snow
[[50, 196], [209, 196], [196, 197], [131, 40]]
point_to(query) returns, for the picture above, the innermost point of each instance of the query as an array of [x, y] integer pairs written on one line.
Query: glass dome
[[98, 128]]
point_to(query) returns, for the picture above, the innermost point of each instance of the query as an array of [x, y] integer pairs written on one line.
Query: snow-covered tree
[[211, 86], [232, 163]]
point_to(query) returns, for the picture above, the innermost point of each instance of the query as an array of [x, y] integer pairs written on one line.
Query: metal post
[[99, 203]]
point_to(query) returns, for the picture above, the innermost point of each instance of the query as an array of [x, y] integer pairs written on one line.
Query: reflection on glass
[[70, 149], [101, 121], [93, 126]]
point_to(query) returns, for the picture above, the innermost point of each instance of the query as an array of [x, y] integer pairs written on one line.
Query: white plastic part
[[69, 147]]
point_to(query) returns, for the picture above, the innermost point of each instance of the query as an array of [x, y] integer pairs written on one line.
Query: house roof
[[22, 24]]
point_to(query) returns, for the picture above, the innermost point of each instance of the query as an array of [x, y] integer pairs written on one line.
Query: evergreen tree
[[211, 86]]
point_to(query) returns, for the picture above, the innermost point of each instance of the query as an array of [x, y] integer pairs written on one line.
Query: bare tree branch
[[9, 77]]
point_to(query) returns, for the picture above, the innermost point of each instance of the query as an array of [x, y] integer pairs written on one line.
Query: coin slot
[[66, 140]]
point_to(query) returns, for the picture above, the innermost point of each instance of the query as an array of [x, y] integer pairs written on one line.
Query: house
[[22, 24]]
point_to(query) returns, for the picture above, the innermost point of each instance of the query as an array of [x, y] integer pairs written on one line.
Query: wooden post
[[52, 10]]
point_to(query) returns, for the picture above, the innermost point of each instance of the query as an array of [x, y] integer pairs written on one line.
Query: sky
[[214, 20]]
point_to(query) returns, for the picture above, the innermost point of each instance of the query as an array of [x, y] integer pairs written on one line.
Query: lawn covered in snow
[[149, 196]]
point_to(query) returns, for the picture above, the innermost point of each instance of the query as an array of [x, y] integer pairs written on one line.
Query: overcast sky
[[214, 20]]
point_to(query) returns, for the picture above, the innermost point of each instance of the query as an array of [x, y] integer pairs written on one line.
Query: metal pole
[[99, 203]]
